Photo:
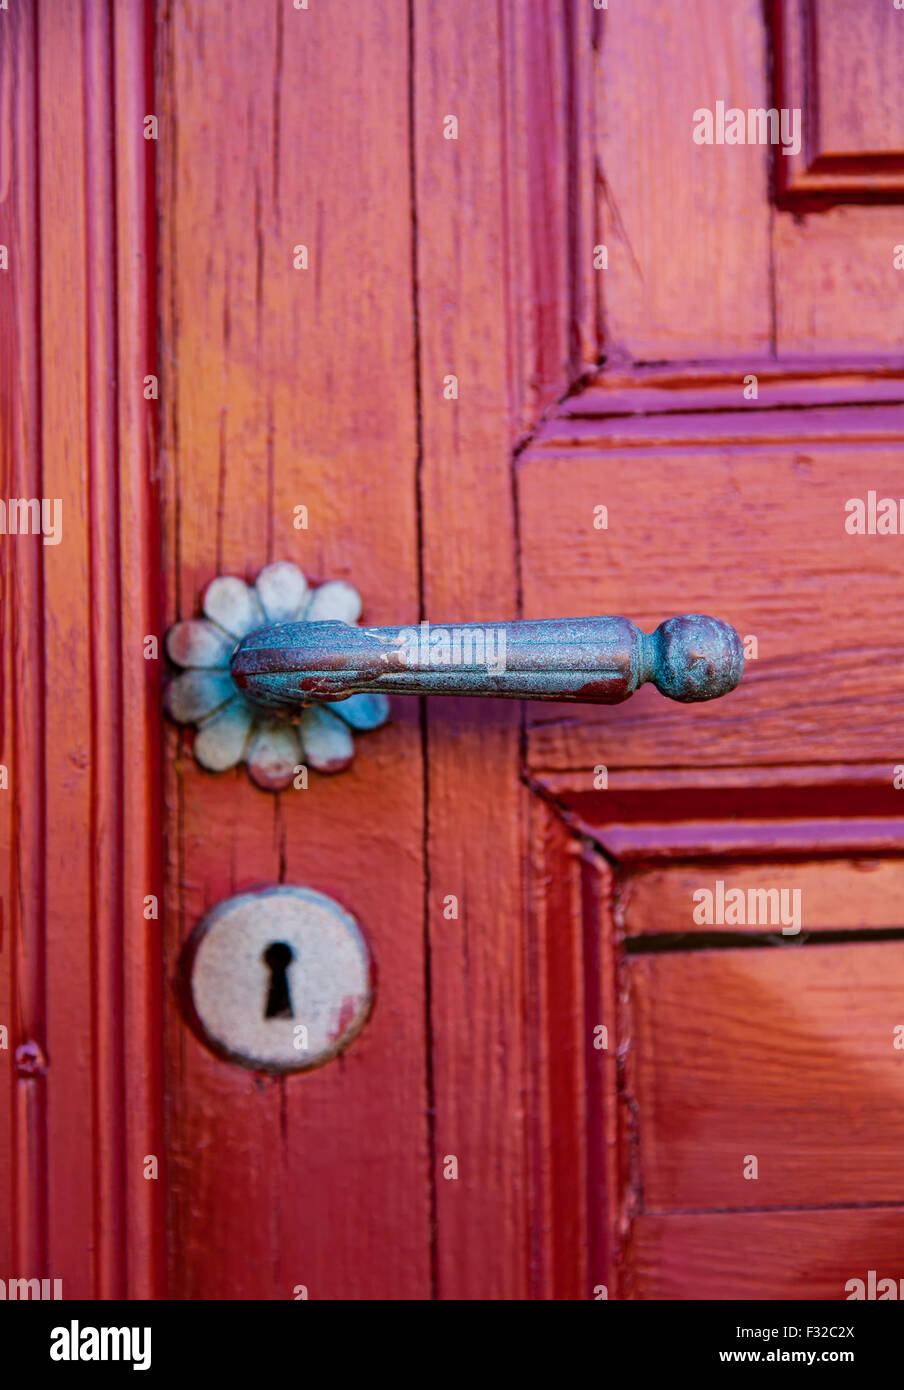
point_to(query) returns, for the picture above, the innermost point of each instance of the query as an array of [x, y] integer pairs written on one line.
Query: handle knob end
[[694, 657]]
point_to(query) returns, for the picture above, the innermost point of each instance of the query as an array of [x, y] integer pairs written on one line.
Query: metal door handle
[[284, 667], [277, 674]]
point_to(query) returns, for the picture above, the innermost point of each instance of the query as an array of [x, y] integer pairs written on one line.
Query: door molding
[[81, 711]]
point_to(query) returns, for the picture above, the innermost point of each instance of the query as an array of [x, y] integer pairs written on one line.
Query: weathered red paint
[[325, 389]]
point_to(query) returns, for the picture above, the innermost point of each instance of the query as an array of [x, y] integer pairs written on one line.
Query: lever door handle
[[267, 672], [286, 666]]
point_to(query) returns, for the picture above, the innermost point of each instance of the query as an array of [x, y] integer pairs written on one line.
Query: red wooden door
[[448, 302]]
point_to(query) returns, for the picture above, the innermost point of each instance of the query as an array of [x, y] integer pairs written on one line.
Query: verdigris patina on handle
[[603, 660], [277, 674]]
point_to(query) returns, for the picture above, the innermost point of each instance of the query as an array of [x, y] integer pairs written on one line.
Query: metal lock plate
[[278, 980]]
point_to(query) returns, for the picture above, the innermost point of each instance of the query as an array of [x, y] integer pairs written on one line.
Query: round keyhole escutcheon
[[277, 980]]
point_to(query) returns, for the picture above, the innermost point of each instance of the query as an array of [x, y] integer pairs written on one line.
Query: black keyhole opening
[[278, 957]]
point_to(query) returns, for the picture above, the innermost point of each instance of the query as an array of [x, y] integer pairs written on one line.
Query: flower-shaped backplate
[[230, 730]]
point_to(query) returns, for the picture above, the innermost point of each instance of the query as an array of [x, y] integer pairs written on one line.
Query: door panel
[[728, 1038], [578, 1160], [754, 531], [328, 387], [781, 1255], [782, 1055], [837, 288], [670, 210], [703, 261], [289, 388], [838, 896], [474, 848], [681, 1056], [842, 66]]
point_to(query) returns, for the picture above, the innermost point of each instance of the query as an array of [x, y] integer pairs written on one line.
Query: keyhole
[[278, 957]]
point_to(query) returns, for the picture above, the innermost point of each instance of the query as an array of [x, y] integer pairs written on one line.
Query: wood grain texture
[[858, 65], [783, 1053], [573, 1111], [546, 198], [139, 562], [837, 289], [22, 961], [82, 310], [775, 1255], [326, 164], [747, 534], [88, 427], [284, 387], [699, 389], [699, 264], [808, 423], [686, 226], [653, 839], [476, 833], [838, 895], [836, 286], [678, 813]]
